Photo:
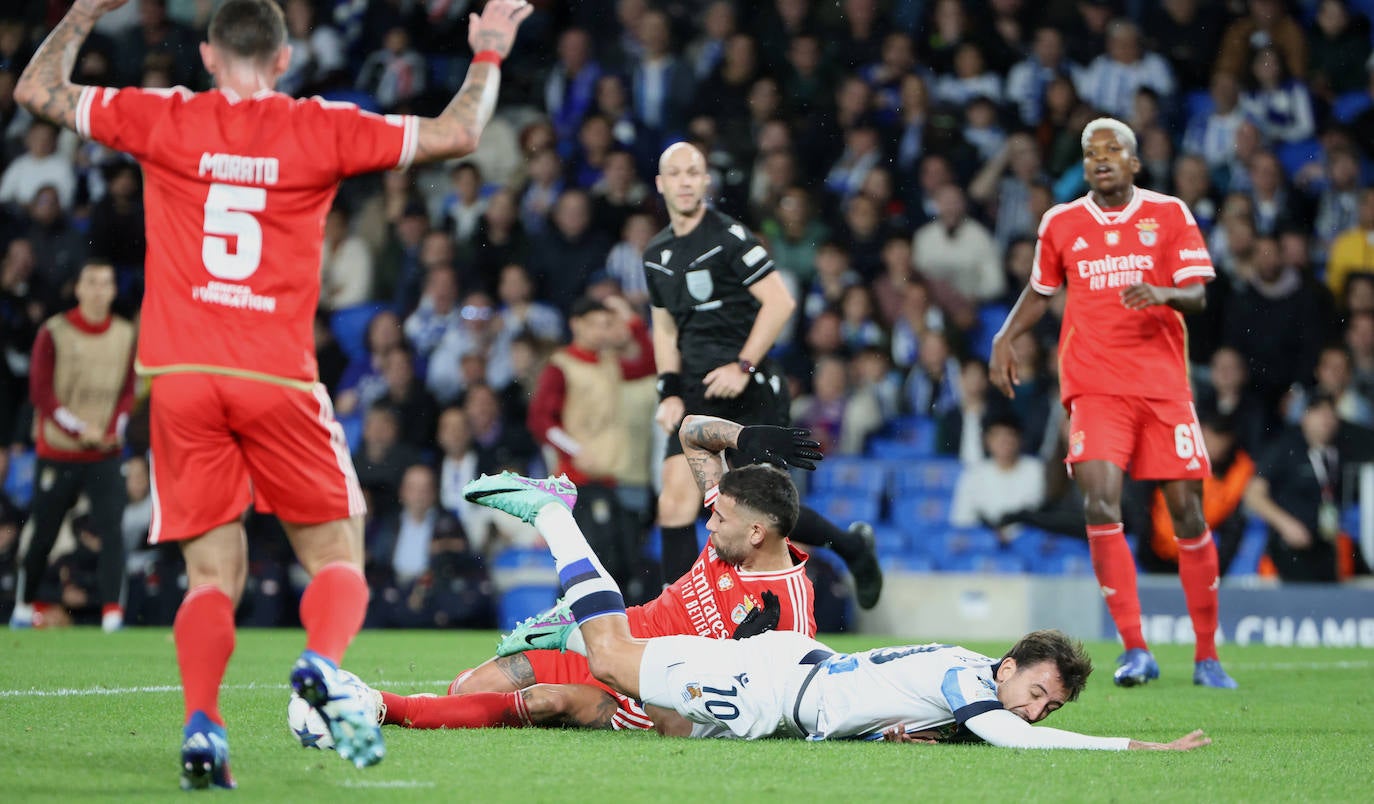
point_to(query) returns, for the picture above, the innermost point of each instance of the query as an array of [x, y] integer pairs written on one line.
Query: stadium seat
[[920, 510], [19, 480], [349, 326], [1350, 105], [1197, 103], [1253, 542], [924, 476], [522, 558], [896, 449], [910, 563], [867, 476], [991, 563], [843, 507], [1295, 155], [523, 601], [990, 318], [1063, 564], [353, 430], [890, 539]]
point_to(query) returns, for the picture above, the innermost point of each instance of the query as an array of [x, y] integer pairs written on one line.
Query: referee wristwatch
[[747, 367]]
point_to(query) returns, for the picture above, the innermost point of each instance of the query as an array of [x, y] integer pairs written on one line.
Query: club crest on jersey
[[1076, 443], [741, 611], [1112, 237], [1148, 231], [691, 691], [725, 583], [699, 284], [665, 255]]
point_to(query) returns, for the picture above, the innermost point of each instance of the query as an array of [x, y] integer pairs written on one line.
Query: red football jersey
[[1105, 348], [714, 597], [235, 195]]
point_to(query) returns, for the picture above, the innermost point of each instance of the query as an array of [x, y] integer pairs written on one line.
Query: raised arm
[[456, 131], [704, 438], [45, 88]]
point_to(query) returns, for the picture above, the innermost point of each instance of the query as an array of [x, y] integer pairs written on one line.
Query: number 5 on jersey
[[229, 212]]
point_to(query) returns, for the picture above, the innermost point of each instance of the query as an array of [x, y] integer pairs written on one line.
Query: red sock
[[204, 634], [1198, 570], [475, 710], [1115, 570], [333, 608]]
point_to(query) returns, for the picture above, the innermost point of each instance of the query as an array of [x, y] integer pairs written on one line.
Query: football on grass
[[307, 724]]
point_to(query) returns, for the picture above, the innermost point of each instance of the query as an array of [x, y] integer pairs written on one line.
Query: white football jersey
[[920, 687]]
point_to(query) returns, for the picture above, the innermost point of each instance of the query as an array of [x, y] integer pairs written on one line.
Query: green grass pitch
[[84, 715]]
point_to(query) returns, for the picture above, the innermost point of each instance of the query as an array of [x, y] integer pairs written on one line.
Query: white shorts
[[729, 688]]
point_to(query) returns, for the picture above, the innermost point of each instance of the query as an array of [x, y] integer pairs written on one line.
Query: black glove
[[780, 446], [761, 619]]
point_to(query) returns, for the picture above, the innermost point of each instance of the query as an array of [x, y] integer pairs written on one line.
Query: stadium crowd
[[895, 157]]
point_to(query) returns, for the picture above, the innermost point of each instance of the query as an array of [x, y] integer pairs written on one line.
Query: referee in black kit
[[718, 306]]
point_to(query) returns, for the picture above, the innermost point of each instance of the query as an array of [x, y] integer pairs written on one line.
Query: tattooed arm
[[457, 129], [46, 88], [704, 438]]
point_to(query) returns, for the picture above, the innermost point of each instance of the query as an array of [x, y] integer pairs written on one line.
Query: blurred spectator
[[500, 238], [362, 382], [330, 358], [618, 194], [947, 28], [571, 86], [932, 387], [1338, 203], [463, 204], [859, 33], [861, 153], [661, 84], [1277, 101], [564, 257], [1359, 340], [415, 408], [724, 92], [704, 53], [519, 314], [1028, 79], [157, 39], [839, 421], [1267, 25], [457, 467], [795, 234], [982, 129], [500, 443], [1037, 394], [1296, 492], [959, 431], [1352, 251], [1228, 395], [345, 264], [1005, 482], [402, 543], [1275, 207], [1110, 81], [1186, 32], [58, 248], [820, 137], [887, 77], [594, 144], [399, 276], [381, 208], [1339, 46], [137, 518], [116, 228], [1222, 495], [970, 79], [473, 329], [859, 326], [825, 290], [863, 234], [907, 134], [1334, 377], [317, 53], [625, 263], [438, 313], [1212, 134], [39, 166], [956, 250], [1279, 356], [576, 413], [1003, 187], [382, 457], [394, 74], [917, 316], [1193, 185], [872, 375], [896, 273]]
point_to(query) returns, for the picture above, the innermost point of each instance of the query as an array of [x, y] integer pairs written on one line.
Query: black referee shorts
[[765, 400]]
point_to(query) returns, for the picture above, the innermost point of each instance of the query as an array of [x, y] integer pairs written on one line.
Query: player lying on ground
[[748, 579], [782, 684]]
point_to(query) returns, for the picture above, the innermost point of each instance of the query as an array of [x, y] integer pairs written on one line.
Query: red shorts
[[221, 442], [552, 667], [1153, 439]]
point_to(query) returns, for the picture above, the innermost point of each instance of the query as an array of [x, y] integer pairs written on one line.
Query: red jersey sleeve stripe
[[410, 140], [1042, 289], [83, 111], [1194, 272]]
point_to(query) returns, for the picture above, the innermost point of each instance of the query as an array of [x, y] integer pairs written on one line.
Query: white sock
[[588, 589]]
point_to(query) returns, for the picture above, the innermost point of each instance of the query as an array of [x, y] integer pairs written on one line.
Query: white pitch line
[[166, 688], [1341, 665], [385, 784]]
